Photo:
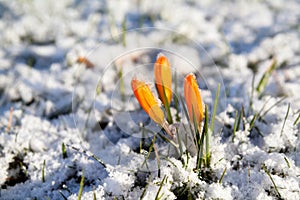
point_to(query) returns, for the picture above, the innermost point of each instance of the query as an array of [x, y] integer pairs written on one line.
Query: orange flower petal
[[163, 78], [148, 101], [193, 98], [84, 60]]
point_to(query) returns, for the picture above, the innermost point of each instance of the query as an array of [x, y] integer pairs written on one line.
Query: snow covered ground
[[66, 120]]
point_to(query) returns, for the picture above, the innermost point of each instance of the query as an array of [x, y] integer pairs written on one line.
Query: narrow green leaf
[[253, 122], [124, 29], [222, 176], [89, 154], [63, 196], [187, 117], [150, 149], [43, 171], [252, 92], [287, 162], [201, 142], [270, 108], [167, 140], [179, 142], [98, 89], [285, 118], [94, 195], [269, 174], [176, 100], [160, 187], [99, 160], [157, 159], [265, 78], [144, 191], [297, 120], [142, 140], [207, 138], [81, 186], [212, 124], [121, 85], [235, 124], [240, 118], [167, 106], [64, 151]]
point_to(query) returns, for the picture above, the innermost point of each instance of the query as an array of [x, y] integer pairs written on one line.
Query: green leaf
[[207, 138], [157, 197], [64, 151], [212, 124], [265, 78], [81, 185], [285, 118]]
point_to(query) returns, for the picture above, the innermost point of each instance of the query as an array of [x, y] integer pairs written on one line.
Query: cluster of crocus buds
[[163, 82]]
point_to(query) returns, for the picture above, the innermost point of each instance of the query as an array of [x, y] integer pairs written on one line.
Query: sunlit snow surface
[[52, 99]]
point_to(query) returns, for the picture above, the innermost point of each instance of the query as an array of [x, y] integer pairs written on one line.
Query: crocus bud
[[163, 78], [148, 101], [193, 99]]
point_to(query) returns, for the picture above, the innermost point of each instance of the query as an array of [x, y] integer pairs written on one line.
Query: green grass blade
[[157, 159], [144, 191], [242, 118], [64, 151], [252, 123], [124, 29], [190, 124], [99, 160], [273, 182], [196, 126], [150, 150], [297, 120], [63, 196], [265, 78], [121, 85], [271, 107], [287, 162], [252, 92], [167, 140], [201, 141], [239, 119], [212, 124], [160, 187], [179, 142], [176, 100], [94, 195], [236, 118], [207, 138], [167, 106], [285, 118], [81, 186], [89, 154], [43, 171], [222, 176]]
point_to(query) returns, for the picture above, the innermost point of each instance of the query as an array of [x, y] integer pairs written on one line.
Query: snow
[[49, 99]]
